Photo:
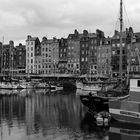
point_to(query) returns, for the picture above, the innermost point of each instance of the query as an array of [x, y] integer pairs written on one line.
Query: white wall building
[[32, 51]]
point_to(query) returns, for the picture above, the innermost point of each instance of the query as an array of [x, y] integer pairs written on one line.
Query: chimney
[[44, 39], [11, 43], [28, 37], [85, 32]]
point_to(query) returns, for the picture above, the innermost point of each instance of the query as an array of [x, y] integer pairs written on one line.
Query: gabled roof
[[116, 34]]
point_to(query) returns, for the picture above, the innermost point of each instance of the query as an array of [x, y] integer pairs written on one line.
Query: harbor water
[[45, 115]]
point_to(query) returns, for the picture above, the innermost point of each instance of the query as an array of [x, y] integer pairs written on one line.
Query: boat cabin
[[135, 84]]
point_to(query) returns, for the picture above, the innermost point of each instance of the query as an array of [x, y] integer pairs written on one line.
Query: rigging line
[[127, 18], [124, 5], [117, 22]]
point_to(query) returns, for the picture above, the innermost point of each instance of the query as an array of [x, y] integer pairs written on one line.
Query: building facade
[[63, 58], [133, 45], [115, 55], [88, 53], [104, 58], [73, 51], [20, 59], [33, 49]]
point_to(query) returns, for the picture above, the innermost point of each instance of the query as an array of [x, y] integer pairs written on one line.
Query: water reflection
[[45, 115], [90, 129]]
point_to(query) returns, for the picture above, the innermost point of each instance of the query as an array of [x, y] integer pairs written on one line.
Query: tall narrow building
[[115, 55], [88, 53], [63, 58], [73, 51], [20, 58], [32, 51]]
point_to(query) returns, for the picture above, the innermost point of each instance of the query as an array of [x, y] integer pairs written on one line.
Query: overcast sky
[[38, 18]]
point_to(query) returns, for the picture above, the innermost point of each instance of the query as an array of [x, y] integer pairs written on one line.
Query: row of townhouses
[[79, 53]]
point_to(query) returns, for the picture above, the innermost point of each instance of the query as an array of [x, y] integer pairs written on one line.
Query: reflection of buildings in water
[[12, 113], [51, 111], [29, 115], [42, 113], [90, 129], [123, 130]]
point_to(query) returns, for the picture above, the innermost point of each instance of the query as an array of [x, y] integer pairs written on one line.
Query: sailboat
[[116, 101]]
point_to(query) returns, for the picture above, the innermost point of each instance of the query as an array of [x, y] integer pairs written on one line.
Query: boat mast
[[1, 57], [121, 26]]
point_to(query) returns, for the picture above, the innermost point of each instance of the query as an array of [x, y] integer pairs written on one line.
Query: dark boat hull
[[95, 103], [100, 103]]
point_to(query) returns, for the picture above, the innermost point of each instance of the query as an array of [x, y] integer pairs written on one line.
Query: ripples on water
[[42, 115]]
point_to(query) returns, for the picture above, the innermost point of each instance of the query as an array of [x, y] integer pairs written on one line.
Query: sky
[[58, 18]]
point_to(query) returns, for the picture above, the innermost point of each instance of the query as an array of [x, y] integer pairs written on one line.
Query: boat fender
[[99, 121], [106, 121], [103, 116]]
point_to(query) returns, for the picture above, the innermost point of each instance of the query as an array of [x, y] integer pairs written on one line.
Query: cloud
[[59, 17]]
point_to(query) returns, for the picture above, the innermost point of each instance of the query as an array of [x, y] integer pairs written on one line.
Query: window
[[138, 83], [31, 54], [118, 51], [113, 52], [31, 48], [77, 66], [31, 61], [113, 45], [123, 44]]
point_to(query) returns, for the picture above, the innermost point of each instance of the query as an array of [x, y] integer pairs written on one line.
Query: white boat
[[11, 85], [94, 85], [89, 86], [128, 110], [55, 87], [26, 85]]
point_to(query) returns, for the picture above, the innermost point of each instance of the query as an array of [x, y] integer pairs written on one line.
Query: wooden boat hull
[[95, 103], [127, 111]]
